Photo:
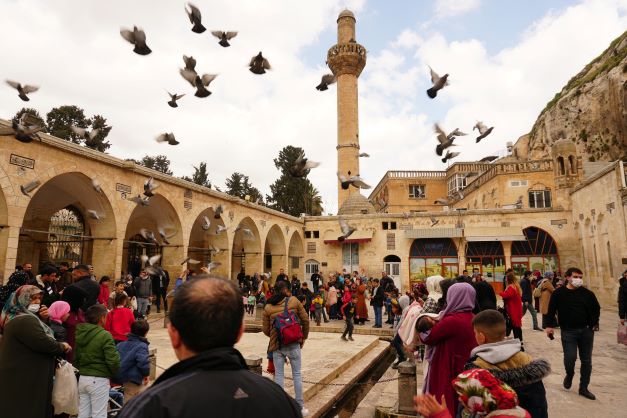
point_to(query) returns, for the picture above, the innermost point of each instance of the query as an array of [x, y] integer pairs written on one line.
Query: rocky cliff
[[591, 110]]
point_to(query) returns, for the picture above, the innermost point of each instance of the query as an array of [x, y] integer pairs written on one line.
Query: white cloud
[[447, 8]]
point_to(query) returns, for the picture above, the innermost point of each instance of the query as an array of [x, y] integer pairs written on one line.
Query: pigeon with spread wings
[[136, 37]]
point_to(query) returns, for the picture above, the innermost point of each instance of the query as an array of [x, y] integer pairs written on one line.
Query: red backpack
[[287, 327]]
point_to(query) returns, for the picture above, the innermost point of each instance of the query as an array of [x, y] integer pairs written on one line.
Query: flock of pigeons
[[445, 140]]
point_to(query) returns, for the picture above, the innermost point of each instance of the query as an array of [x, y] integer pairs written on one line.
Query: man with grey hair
[[211, 378]]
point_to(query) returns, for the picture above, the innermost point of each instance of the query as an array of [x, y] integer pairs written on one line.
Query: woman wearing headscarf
[[452, 339], [432, 304], [362, 308], [27, 357], [58, 313]]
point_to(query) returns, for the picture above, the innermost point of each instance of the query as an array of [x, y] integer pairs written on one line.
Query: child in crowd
[[103, 296], [119, 288], [134, 361], [480, 394], [251, 303], [317, 304], [348, 311], [387, 302], [58, 313], [507, 362], [120, 319], [97, 361]]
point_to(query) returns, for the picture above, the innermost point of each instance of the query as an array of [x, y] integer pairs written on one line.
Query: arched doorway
[[159, 214], [56, 226], [274, 256], [488, 258], [246, 250], [537, 252], [392, 267], [432, 256], [295, 253], [207, 246]]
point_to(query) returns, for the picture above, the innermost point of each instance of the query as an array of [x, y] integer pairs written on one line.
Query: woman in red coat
[[362, 308], [512, 298], [451, 341]]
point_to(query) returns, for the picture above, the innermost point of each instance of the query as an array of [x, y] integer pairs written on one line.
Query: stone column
[[407, 387], [507, 251], [461, 254], [9, 238]]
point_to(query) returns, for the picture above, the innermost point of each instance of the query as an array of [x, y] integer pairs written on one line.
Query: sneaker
[[395, 364], [304, 412], [568, 382], [350, 338], [587, 394], [343, 338]]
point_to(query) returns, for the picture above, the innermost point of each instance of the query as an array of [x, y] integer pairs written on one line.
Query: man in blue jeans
[[275, 306], [376, 302], [578, 313]]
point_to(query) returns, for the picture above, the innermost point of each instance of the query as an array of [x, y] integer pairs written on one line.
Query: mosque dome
[[346, 13], [356, 204]]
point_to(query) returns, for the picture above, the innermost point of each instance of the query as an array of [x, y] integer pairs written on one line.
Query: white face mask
[[33, 307], [576, 281]]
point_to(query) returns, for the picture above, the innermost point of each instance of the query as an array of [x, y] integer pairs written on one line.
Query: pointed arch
[[296, 254], [274, 253], [246, 253], [207, 245]]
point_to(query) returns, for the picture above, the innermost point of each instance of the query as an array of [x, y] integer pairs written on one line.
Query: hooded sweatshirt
[[95, 352], [516, 368]]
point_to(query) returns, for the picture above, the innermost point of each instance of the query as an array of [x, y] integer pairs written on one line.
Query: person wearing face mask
[[27, 356], [578, 312]]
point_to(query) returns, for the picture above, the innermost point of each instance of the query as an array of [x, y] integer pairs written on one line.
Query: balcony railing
[[509, 168]]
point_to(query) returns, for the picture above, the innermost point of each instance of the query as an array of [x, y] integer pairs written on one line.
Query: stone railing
[[416, 174], [509, 168], [470, 167]]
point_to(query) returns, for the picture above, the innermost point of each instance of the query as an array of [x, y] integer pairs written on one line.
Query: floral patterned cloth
[[482, 394]]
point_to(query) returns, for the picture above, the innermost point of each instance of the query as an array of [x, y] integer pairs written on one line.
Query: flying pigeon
[[356, 181], [29, 187], [220, 229], [434, 221], [190, 63], [301, 166], [248, 234], [456, 132], [24, 130], [164, 236], [488, 159], [150, 260], [138, 38], [93, 214], [449, 155], [438, 83], [519, 202], [214, 250], [258, 64], [326, 80], [213, 265], [364, 155], [224, 37], [199, 82], [23, 90], [96, 185], [88, 136], [149, 187], [445, 141], [141, 201], [483, 130], [195, 18], [148, 235], [346, 230], [442, 201], [167, 137], [174, 98], [190, 261], [217, 212], [206, 223]]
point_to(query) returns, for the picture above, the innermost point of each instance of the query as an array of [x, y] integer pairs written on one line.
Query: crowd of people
[[452, 326]]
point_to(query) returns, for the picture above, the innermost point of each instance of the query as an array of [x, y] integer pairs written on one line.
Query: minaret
[[346, 60]]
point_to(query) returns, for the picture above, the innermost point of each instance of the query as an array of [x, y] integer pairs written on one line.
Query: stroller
[[116, 401]]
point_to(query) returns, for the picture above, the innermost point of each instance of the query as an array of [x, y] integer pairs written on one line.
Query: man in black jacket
[[211, 378], [578, 313], [160, 283], [527, 299], [376, 301], [83, 280]]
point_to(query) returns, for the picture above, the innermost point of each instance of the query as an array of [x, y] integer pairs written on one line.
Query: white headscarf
[[433, 286]]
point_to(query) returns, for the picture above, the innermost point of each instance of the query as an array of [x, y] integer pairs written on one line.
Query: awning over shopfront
[[494, 234], [433, 233], [355, 237]]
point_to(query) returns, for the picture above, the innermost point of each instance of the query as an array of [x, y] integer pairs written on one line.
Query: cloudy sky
[[506, 59]]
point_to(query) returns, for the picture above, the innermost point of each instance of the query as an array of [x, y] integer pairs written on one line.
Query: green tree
[[60, 119], [239, 185], [293, 195], [157, 162], [34, 116], [99, 143], [200, 175]]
